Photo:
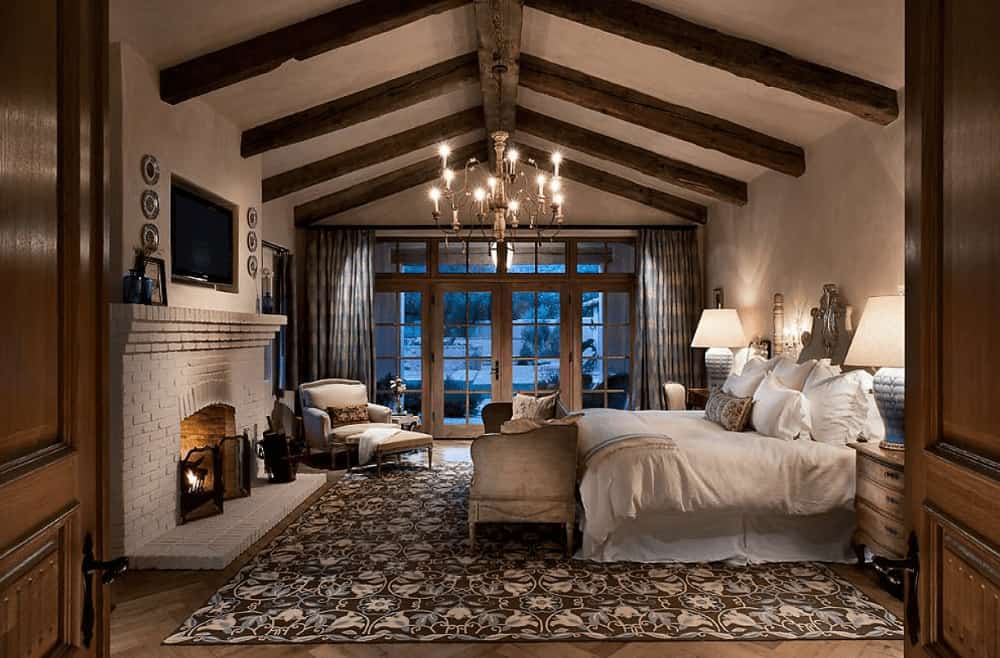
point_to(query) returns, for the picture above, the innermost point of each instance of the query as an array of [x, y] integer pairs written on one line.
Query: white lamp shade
[[719, 327], [880, 340]]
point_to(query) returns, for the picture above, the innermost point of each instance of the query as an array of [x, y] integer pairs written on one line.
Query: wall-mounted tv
[[201, 237]]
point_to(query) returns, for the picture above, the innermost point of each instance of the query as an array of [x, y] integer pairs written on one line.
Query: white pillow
[[824, 370], [838, 409], [792, 374], [744, 385], [780, 411], [874, 426]]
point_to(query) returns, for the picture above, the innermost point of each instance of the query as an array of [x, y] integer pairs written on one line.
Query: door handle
[[110, 569], [909, 569], [496, 369]]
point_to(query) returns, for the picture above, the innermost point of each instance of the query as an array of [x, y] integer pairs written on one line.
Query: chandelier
[[498, 201]]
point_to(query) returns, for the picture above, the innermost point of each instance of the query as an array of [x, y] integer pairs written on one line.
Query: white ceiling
[[863, 37]]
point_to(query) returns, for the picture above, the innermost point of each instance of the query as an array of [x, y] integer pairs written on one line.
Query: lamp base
[[890, 394], [718, 365]]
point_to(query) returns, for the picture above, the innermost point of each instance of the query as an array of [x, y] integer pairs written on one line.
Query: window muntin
[[536, 257], [605, 349], [409, 257], [535, 342], [399, 347], [605, 257], [457, 257]]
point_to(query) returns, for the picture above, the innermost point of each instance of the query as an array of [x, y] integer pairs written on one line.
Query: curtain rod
[[275, 247]]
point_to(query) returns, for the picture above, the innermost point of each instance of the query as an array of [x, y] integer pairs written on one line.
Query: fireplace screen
[[216, 464]]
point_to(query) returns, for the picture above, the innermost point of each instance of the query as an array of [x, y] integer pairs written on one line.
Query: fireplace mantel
[[140, 328]]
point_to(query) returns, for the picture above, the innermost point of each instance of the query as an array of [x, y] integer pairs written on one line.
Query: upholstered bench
[[404, 441]]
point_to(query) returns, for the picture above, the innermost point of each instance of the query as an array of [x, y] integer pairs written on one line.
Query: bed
[[673, 486]]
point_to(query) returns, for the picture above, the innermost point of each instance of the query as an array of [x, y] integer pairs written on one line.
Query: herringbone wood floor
[[150, 605]]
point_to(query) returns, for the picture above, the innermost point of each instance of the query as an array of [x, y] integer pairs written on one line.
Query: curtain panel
[[668, 303], [340, 290], [286, 355]]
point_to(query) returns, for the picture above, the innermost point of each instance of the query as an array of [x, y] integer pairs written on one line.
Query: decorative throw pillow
[[354, 413], [779, 411], [824, 370], [527, 406], [874, 429], [731, 413], [792, 374], [521, 425], [745, 384], [838, 408]]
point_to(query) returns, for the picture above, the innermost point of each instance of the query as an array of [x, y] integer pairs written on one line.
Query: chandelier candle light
[[503, 196]]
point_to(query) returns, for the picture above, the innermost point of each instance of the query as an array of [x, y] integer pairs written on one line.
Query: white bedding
[[644, 465]]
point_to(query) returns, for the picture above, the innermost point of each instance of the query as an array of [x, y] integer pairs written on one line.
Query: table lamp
[[879, 342], [719, 329]]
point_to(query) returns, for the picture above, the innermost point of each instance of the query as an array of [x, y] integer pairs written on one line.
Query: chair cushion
[[334, 395], [350, 433]]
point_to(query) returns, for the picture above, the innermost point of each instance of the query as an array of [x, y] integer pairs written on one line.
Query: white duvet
[[638, 462]]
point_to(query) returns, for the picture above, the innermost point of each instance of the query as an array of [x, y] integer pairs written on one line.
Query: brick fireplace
[[177, 372]]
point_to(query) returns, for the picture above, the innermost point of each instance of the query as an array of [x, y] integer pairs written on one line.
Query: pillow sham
[[838, 409], [792, 374], [874, 426], [528, 406], [779, 411], [824, 369], [352, 413], [729, 412], [744, 385]]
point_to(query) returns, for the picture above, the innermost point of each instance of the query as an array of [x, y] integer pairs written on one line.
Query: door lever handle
[[109, 569], [906, 570], [496, 369]]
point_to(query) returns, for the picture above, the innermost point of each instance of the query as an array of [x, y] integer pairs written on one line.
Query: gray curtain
[[668, 303], [286, 352], [339, 334]]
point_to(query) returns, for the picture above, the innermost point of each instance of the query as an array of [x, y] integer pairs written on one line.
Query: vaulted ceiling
[[660, 108]]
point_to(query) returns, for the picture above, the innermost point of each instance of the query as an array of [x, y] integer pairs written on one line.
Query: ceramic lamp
[[879, 342], [719, 330]]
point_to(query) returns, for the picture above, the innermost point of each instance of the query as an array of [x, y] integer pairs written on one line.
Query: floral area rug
[[388, 560]]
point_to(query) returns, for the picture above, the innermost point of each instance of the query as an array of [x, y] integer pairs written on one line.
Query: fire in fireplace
[[215, 465]]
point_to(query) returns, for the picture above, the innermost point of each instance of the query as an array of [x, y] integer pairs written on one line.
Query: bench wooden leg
[[472, 534], [569, 539], [379, 460], [430, 458]]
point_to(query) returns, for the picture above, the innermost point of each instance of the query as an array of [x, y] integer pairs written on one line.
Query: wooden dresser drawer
[[887, 501], [883, 529], [880, 473]]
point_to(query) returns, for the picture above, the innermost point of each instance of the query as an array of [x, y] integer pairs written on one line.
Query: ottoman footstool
[[404, 441]]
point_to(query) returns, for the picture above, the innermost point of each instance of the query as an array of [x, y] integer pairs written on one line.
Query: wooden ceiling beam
[[677, 121], [361, 106], [602, 180], [300, 41], [675, 172], [498, 64], [372, 153], [741, 57], [380, 187]]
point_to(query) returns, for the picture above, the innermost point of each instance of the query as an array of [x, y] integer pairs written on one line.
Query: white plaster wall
[[193, 141], [841, 222]]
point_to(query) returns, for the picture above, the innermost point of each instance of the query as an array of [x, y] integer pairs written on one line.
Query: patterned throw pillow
[[732, 413], [527, 406], [355, 413]]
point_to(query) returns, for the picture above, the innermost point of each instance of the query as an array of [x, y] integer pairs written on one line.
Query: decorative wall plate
[[252, 217], [252, 241], [150, 236], [150, 204], [150, 169], [252, 266]]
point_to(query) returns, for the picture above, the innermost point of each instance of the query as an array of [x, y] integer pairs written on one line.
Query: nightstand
[[878, 501], [697, 398]]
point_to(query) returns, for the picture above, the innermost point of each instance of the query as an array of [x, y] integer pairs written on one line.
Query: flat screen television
[[201, 238]]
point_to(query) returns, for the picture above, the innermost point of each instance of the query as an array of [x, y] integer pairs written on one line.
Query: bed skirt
[[726, 536]]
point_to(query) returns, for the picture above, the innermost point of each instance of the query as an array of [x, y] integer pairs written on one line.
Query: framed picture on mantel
[[156, 269]]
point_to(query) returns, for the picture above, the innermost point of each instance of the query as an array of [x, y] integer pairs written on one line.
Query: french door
[[466, 355]]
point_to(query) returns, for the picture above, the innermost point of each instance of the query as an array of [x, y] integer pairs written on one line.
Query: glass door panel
[[606, 339], [398, 348], [535, 341], [468, 361]]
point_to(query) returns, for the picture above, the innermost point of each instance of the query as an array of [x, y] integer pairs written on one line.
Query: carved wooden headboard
[[832, 328]]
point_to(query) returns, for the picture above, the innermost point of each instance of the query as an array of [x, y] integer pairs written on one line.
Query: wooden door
[[953, 325], [52, 245]]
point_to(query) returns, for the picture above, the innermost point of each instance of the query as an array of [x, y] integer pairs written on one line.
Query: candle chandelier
[[498, 199]]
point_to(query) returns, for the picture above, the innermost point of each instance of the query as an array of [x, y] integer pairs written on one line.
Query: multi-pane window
[[458, 257], [605, 257], [398, 342], [606, 349], [536, 257], [400, 257], [468, 355], [535, 341]]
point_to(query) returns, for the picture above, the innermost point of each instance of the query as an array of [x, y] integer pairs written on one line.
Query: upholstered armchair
[[316, 397], [674, 396], [525, 478]]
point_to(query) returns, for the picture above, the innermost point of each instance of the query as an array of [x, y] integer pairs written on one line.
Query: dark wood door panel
[[970, 285], [29, 233]]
